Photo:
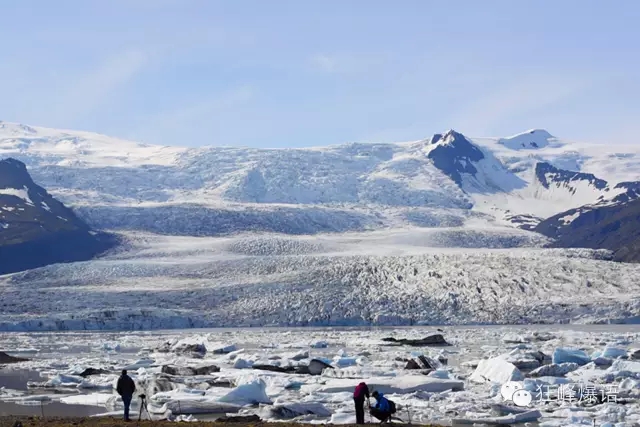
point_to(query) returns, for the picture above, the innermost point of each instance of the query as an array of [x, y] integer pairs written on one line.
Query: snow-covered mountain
[[612, 223], [439, 181], [35, 228], [356, 233]]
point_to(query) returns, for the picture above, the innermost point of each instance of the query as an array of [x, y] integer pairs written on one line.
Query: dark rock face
[[92, 371], [5, 358], [431, 340], [615, 227], [36, 229], [421, 363], [546, 174], [194, 350], [454, 155], [317, 366], [189, 371], [273, 368]]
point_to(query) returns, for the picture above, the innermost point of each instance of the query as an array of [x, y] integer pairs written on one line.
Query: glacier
[[431, 231]]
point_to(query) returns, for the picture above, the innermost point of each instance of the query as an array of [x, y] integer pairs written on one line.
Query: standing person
[[125, 388], [362, 391]]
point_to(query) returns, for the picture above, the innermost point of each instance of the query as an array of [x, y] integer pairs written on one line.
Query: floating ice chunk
[[524, 359], [570, 355], [222, 348], [440, 373], [195, 406], [145, 362], [249, 393], [496, 370], [186, 418], [301, 355], [343, 418], [93, 399], [60, 380], [105, 382], [625, 366], [554, 370], [401, 384], [293, 410], [602, 361], [7, 392], [111, 346], [610, 353], [20, 352], [242, 363], [515, 339], [319, 344], [343, 362], [318, 365]]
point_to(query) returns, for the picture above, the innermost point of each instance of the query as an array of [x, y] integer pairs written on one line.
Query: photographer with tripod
[[125, 388]]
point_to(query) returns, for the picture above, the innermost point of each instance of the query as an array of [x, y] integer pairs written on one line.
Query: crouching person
[[383, 408]]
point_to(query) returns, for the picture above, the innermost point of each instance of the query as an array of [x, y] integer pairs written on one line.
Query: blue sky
[[271, 73]]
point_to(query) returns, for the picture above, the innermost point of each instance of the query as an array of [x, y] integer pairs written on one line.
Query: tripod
[[143, 405]]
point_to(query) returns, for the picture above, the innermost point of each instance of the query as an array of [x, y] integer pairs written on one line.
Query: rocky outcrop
[[36, 229]]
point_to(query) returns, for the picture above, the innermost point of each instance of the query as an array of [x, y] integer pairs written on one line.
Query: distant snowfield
[[397, 277], [351, 234], [125, 185]]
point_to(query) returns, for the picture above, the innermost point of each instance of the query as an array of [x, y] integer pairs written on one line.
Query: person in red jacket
[[361, 392]]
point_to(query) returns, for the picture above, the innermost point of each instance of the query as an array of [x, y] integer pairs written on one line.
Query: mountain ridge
[[36, 229], [444, 179]]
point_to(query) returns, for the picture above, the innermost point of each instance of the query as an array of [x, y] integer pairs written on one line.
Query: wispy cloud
[[97, 86], [526, 95], [345, 63], [323, 62], [202, 117]]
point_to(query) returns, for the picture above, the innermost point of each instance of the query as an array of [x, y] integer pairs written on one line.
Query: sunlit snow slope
[[441, 180], [382, 278], [403, 233]]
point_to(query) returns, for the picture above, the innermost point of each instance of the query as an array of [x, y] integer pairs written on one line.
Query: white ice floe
[[621, 366], [609, 353], [93, 399], [248, 392], [496, 370]]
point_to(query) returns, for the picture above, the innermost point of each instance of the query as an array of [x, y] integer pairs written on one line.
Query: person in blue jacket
[[383, 407]]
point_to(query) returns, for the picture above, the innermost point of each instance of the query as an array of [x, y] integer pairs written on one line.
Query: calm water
[[17, 380]]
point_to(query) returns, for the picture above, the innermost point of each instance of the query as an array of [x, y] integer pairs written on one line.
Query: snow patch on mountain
[[529, 140], [22, 193], [218, 190]]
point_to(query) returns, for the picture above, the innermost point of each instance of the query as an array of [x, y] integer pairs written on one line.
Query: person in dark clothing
[[125, 388], [382, 409], [361, 392]]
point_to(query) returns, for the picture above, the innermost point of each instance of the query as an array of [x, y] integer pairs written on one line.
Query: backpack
[[392, 406]]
